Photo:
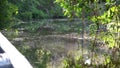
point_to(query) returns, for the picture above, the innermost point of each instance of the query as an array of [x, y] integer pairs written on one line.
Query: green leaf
[[113, 9], [108, 1], [94, 19]]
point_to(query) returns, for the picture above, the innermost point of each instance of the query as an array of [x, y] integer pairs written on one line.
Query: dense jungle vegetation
[[37, 9], [98, 19]]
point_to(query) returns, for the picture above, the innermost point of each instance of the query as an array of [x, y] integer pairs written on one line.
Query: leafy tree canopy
[[7, 10], [37, 9], [100, 12]]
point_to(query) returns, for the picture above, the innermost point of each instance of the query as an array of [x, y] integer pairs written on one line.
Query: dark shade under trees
[[37, 9], [7, 10]]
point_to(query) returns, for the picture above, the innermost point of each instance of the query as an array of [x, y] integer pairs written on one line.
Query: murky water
[[59, 45]]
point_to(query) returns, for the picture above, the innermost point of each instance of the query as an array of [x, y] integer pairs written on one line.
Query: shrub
[[26, 15]]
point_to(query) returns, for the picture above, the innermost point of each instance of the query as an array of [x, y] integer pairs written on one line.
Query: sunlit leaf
[[113, 9], [108, 1]]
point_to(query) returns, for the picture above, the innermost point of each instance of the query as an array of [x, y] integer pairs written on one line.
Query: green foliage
[[37, 9], [100, 13], [107, 60], [49, 27], [109, 39], [93, 29], [44, 55], [26, 16], [71, 62], [38, 14], [38, 57], [7, 10], [32, 27]]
